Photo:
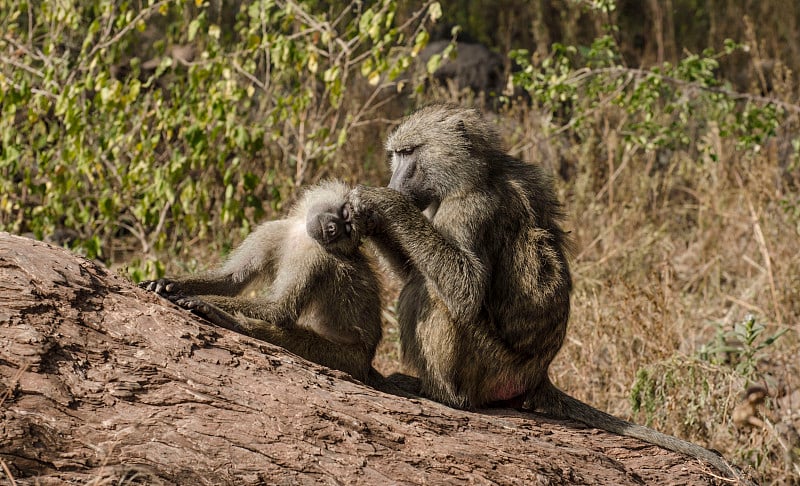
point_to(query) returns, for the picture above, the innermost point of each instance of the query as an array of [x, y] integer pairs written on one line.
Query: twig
[[249, 76], [102, 45], [3, 397], [8, 472], [762, 245], [640, 73], [742, 303], [24, 67], [130, 26]]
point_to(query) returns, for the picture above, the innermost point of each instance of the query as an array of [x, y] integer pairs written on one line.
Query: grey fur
[[320, 298]]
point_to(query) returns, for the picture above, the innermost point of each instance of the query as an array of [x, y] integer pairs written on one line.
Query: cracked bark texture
[[101, 381]]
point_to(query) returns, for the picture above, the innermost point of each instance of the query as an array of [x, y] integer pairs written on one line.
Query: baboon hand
[[164, 287], [363, 206]]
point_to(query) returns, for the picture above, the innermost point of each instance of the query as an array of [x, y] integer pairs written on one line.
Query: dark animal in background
[[474, 67]]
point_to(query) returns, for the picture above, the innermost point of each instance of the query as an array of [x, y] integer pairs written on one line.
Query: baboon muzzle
[[328, 227]]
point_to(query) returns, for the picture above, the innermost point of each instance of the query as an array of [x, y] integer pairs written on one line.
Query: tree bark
[[103, 382]]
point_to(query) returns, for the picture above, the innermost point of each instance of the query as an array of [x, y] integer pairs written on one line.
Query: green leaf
[[435, 11]]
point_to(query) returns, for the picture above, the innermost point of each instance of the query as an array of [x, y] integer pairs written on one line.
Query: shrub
[[133, 128]]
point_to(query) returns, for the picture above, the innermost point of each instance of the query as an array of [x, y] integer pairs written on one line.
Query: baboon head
[[329, 219], [440, 150]]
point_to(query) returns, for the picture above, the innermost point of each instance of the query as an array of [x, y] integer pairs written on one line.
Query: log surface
[[102, 381]]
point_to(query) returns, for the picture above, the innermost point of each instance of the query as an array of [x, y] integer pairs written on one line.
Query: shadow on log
[[102, 381]]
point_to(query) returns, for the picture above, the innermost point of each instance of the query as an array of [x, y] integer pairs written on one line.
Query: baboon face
[[409, 176], [331, 226], [431, 154]]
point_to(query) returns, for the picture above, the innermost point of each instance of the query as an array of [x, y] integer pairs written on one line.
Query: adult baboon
[[486, 294], [322, 298]]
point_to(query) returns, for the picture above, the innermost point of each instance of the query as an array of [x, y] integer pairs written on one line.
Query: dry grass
[[672, 249]]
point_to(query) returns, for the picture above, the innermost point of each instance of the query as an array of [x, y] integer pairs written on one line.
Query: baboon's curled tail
[[552, 401]]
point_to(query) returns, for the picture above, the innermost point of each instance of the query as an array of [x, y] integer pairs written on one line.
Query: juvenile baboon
[[486, 294], [321, 298]]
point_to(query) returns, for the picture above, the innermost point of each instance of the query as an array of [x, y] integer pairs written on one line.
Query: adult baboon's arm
[[458, 273]]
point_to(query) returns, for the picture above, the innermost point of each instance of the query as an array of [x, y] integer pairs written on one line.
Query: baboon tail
[[552, 401]]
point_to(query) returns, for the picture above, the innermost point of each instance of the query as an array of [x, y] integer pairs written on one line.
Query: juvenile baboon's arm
[[450, 262], [291, 290], [283, 313], [351, 358], [254, 258]]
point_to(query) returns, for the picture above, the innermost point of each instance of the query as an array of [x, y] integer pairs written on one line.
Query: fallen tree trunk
[[102, 381]]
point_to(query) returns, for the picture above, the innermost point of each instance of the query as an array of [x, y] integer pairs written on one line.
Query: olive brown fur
[[475, 236]]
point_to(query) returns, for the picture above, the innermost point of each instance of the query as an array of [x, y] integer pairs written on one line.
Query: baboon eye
[[345, 213], [405, 151]]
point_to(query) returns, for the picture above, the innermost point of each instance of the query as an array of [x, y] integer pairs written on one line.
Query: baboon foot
[[211, 313]]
